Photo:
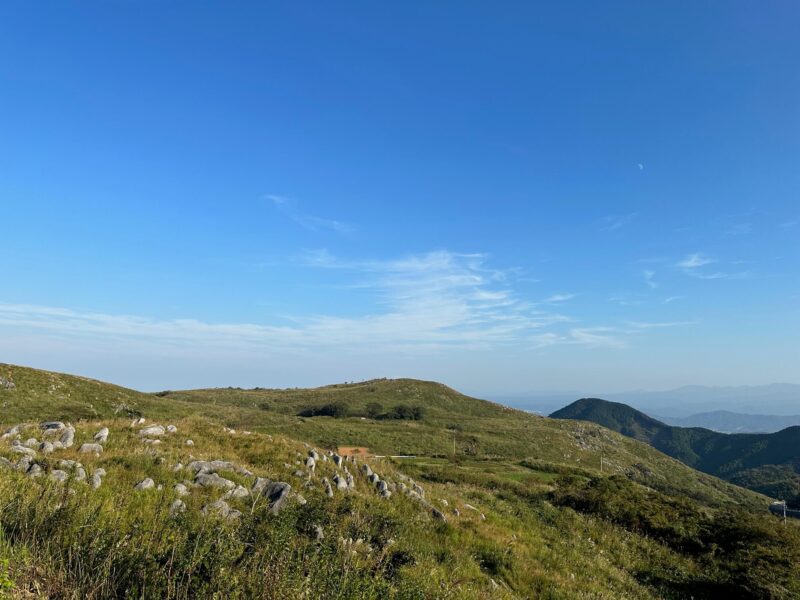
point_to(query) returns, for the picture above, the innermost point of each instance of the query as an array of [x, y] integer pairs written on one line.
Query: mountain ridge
[[764, 462]]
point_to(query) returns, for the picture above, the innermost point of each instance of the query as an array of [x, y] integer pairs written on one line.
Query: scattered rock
[[6, 384], [90, 448], [46, 447], [10, 432], [67, 437], [311, 464], [151, 442], [58, 475], [145, 484], [222, 509], [49, 427], [213, 480], [438, 515], [319, 535], [259, 485], [237, 492], [31, 442], [23, 450], [181, 489], [152, 431], [34, 471], [176, 508], [341, 483], [277, 493], [171, 429], [96, 480], [189, 443], [101, 437]]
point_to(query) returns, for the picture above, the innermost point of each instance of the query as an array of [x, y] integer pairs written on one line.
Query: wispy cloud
[[693, 265], [613, 222], [422, 303], [289, 207], [658, 325], [787, 224], [671, 299], [596, 337], [694, 261], [648, 279], [559, 298]]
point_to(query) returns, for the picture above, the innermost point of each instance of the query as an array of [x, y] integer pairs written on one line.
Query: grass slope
[[536, 518], [765, 462]]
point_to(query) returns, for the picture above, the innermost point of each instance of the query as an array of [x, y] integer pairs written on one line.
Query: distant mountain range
[[764, 462], [726, 421], [780, 399]]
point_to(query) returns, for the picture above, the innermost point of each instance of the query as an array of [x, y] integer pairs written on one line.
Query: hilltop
[[764, 462], [518, 508]]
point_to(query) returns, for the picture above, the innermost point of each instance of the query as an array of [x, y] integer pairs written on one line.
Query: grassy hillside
[[766, 462], [526, 511]]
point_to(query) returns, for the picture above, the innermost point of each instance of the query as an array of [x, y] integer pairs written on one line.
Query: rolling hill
[[514, 505], [768, 462]]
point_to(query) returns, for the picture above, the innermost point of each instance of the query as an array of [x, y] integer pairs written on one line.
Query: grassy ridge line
[[481, 429]]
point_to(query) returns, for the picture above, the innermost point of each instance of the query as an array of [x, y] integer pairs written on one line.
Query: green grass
[[544, 524]]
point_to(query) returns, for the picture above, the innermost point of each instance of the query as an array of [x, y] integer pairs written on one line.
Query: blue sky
[[529, 196]]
